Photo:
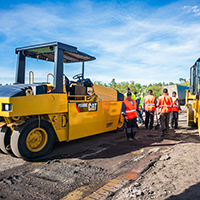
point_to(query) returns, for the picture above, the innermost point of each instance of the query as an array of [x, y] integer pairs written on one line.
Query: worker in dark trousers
[[175, 109], [129, 108], [149, 105], [164, 108]]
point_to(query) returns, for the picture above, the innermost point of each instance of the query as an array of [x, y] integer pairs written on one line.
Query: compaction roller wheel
[[33, 139], [5, 133]]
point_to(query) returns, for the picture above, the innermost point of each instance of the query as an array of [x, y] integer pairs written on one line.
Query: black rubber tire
[[18, 140], [191, 116], [5, 133]]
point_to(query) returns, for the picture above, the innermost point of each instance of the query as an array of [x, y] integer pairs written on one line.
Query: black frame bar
[[60, 48]]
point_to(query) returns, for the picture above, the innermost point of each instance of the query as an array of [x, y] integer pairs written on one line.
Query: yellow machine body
[[34, 115], [193, 110], [193, 96], [71, 119]]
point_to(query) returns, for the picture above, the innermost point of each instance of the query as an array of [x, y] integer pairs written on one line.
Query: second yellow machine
[[192, 96], [34, 115]]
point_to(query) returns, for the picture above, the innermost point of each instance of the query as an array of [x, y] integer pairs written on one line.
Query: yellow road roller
[[192, 96], [34, 115]]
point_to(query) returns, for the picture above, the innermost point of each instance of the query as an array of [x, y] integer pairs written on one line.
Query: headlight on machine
[[7, 107]]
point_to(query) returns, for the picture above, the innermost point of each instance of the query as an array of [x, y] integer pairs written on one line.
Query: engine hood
[[19, 89]]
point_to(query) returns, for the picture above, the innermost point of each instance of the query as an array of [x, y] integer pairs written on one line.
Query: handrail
[[48, 76], [31, 81]]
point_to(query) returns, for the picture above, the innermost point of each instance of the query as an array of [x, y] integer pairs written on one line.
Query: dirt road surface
[[107, 166]]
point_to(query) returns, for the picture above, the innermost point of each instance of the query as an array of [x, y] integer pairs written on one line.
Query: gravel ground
[[176, 175], [92, 162]]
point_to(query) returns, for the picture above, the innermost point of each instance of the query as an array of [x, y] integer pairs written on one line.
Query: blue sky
[[143, 41]]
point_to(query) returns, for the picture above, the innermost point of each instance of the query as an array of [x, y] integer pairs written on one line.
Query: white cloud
[[194, 9]]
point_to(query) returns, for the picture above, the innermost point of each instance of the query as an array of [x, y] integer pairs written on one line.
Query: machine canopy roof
[[46, 52]]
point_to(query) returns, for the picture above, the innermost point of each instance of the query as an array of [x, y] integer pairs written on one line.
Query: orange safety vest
[[164, 103], [149, 101], [130, 109], [175, 106]]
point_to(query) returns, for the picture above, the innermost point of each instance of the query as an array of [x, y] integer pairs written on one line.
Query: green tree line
[[137, 87]]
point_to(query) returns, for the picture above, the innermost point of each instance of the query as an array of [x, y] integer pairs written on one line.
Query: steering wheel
[[78, 76]]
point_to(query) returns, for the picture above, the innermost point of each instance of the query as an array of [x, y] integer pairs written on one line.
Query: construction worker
[[129, 107], [149, 105], [128, 90], [141, 103], [175, 109], [164, 108], [140, 118], [136, 98]]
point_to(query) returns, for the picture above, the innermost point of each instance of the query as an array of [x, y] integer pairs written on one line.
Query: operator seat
[[87, 82]]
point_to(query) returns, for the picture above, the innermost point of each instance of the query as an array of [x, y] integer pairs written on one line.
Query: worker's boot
[[128, 134], [163, 133]]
